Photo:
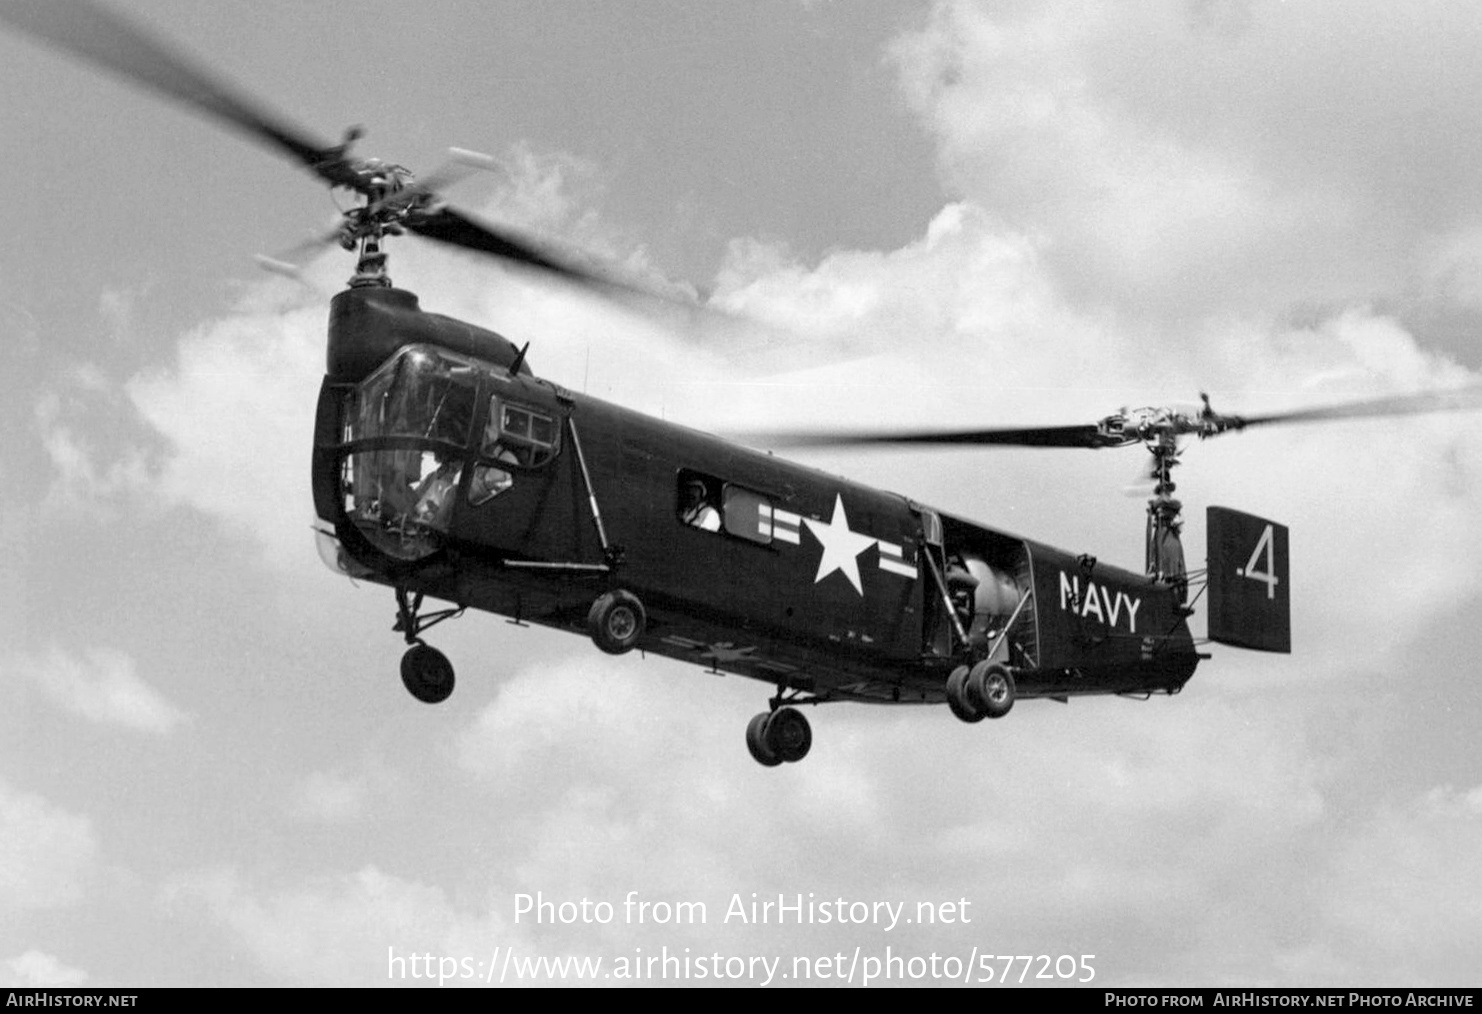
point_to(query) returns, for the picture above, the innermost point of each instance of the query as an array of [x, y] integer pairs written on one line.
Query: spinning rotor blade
[[1457, 400], [1033, 436], [97, 34], [1152, 425], [458, 228], [88, 29]]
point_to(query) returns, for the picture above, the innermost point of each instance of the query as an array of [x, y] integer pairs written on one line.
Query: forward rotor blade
[[1460, 399], [458, 228], [97, 34], [1032, 436]]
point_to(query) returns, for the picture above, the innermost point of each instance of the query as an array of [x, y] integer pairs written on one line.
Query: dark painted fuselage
[[801, 579]]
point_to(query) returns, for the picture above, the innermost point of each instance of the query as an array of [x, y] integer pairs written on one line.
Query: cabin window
[[699, 500], [747, 515], [712, 505]]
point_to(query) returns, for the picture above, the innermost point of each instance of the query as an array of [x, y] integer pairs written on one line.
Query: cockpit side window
[[518, 435], [514, 435]]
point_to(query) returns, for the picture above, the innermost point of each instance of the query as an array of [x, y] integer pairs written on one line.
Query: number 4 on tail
[[1249, 597], [1263, 555]]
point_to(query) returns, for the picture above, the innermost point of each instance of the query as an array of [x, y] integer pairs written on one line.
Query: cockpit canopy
[[408, 437], [421, 392]]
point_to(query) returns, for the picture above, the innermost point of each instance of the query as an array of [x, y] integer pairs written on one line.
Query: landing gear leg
[[779, 736], [425, 672]]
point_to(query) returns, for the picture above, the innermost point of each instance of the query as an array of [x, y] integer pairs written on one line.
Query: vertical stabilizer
[[1249, 581]]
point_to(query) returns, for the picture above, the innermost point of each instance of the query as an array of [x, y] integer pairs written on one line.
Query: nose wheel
[[778, 737], [427, 674]]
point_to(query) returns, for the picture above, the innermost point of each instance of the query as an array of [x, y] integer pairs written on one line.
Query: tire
[[990, 688], [756, 741], [616, 622], [427, 674], [789, 735], [957, 698]]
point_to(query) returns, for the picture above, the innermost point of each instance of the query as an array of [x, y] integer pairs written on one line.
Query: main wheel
[[957, 698], [789, 735], [990, 687], [756, 741], [427, 674], [616, 621]]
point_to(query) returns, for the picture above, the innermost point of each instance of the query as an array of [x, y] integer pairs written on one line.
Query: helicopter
[[446, 469]]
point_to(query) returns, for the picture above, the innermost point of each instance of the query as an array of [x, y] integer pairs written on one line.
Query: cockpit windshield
[[410, 422], [422, 392]]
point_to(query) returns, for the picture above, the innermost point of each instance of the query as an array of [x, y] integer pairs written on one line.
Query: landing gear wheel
[[789, 735], [756, 741], [616, 622], [990, 687], [957, 698], [427, 674]]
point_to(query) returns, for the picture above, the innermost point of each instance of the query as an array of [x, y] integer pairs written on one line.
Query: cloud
[[87, 470], [238, 415], [338, 930], [102, 686], [37, 969], [46, 853], [1182, 159], [325, 796], [1398, 897]]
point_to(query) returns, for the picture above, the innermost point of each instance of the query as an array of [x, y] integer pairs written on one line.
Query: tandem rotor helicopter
[[444, 468]]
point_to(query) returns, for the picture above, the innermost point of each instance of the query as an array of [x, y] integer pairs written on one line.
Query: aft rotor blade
[[1460, 399], [1032, 436], [97, 34]]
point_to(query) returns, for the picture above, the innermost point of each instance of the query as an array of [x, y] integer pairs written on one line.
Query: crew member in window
[[695, 508]]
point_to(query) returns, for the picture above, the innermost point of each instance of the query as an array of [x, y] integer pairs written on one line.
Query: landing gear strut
[[781, 736], [425, 671]]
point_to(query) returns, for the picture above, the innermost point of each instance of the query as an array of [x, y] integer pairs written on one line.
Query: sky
[[950, 214]]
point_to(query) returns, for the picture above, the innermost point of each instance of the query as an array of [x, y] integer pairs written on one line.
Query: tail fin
[[1249, 591]]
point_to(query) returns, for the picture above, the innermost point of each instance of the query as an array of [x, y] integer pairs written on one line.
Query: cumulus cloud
[[102, 686], [1187, 158], [338, 930], [46, 853], [38, 969]]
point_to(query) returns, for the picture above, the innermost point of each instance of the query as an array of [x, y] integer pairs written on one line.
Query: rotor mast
[[1165, 554]]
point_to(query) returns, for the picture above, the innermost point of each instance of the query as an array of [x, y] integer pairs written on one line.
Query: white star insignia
[[841, 547]]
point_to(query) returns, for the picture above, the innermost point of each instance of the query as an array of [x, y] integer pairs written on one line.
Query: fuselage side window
[[747, 515], [698, 503], [711, 504]]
